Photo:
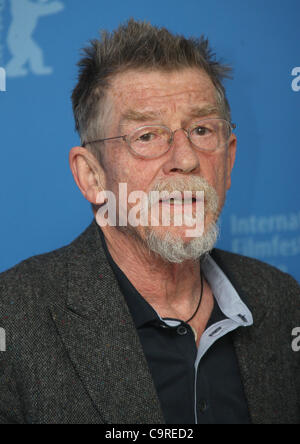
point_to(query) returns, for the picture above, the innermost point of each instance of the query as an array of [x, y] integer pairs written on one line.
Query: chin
[[174, 246]]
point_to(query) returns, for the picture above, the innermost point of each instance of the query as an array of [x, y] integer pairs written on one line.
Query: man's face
[[139, 98]]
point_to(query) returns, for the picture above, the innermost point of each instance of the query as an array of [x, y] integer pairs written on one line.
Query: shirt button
[[203, 406], [182, 330], [163, 326]]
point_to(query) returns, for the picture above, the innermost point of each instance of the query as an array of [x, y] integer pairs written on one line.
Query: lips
[[179, 201]]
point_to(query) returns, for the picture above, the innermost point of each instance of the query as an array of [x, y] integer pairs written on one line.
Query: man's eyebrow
[[137, 116], [203, 111], [132, 115]]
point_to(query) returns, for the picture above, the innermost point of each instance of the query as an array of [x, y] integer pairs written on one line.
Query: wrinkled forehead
[[160, 92]]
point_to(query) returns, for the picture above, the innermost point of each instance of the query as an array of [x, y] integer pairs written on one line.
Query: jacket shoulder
[[24, 281], [44, 269], [259, 279], [249, 266]]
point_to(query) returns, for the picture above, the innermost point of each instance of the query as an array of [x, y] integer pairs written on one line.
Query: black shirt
[[208, 392]]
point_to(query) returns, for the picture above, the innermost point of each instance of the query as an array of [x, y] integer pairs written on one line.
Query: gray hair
[[137, 45]]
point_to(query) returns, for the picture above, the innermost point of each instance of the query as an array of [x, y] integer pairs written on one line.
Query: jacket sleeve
[[10, 408], [10, 405], [290, 292]]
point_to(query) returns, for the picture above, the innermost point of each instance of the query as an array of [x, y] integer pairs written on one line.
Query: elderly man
[[146, 322]]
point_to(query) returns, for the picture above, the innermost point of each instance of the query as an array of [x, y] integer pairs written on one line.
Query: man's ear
[[230, 159], [87, 172]]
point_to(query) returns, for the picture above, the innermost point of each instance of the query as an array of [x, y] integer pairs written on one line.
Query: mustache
[[187, 184]]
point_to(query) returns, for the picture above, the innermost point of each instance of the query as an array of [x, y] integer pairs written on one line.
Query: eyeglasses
[[152, 141]]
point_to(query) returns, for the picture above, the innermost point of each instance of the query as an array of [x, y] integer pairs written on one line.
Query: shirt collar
[[225, 294]]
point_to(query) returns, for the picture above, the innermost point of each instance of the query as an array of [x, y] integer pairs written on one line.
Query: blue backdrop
[[40, 41]]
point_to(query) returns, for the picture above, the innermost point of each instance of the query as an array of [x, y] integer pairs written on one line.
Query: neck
[[172, 289]]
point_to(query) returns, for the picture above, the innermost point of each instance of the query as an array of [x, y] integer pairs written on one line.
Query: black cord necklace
[[198, 306], [200, 300]]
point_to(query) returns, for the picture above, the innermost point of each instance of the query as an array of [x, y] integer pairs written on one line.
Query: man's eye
[[201, 131], [147, 137]]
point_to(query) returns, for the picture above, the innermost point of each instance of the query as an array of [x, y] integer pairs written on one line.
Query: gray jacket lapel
[[101, 340]]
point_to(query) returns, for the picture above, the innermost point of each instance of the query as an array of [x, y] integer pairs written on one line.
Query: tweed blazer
[[73, 355]]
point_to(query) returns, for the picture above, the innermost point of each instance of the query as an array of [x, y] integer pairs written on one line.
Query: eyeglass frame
[[187, 132]]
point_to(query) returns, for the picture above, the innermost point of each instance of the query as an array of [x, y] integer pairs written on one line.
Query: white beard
[[176, 250]]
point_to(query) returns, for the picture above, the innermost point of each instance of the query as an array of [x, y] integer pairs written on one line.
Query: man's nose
[[182, 157]]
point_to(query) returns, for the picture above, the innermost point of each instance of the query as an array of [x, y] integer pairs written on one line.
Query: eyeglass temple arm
[[102, 140]]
